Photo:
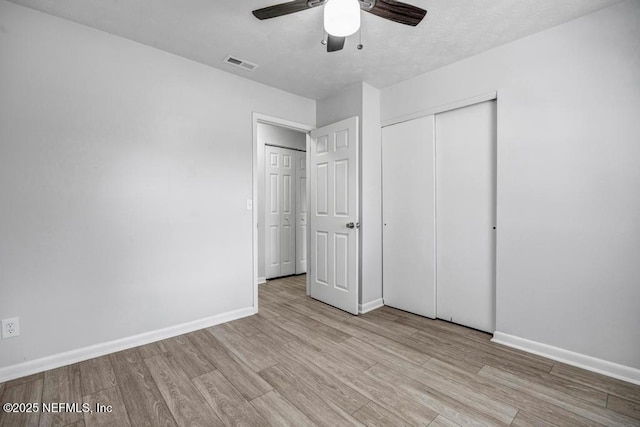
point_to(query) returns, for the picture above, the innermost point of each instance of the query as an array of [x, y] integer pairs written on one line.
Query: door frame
[[270, 120]]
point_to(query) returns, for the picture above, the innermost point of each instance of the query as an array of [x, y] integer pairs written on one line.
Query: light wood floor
[[301, 363]]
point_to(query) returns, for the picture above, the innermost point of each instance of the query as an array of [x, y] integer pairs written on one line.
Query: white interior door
[[301, 213], [280, 244], [333, 161], [408, 248], [465, 211]]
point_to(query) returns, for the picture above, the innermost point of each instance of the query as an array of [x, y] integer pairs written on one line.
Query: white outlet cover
[[10, 327]]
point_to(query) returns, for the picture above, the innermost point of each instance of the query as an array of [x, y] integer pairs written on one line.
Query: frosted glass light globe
[[342, 17]]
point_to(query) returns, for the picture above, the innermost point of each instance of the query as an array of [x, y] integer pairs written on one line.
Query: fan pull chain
[[360, 45]]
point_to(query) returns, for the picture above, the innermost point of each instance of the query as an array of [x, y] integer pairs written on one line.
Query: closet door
[[408, 271], [280, 244], [301, 213], [465, 212]]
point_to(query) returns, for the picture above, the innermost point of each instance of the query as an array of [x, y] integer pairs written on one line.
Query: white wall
[[371, 198], [568, 238], [124, 175], [342, 105], [363, 101], [282, 137]]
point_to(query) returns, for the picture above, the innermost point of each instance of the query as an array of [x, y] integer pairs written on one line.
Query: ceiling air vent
[[240, 63]]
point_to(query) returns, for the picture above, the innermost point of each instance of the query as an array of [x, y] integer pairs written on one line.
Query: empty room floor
[[300, 362]]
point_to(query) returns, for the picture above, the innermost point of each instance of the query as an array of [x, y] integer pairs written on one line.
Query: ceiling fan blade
[[281, 9], [398, 12], [335, 43]]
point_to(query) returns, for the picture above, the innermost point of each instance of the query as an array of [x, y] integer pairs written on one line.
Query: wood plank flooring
[[303, 363]]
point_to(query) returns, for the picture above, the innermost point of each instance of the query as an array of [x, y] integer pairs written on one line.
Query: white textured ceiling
[[288, 48]]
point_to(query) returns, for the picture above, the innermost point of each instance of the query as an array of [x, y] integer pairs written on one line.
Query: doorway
[[259, 188], [339, 143]]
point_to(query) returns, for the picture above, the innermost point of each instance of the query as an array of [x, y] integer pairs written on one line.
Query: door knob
[[352, 225]]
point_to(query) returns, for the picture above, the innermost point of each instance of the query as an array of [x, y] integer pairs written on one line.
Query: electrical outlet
[[10, 328]]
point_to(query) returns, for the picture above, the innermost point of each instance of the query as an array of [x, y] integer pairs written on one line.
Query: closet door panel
[[465, 215], [280, 215], [408, 216], [301, 213]]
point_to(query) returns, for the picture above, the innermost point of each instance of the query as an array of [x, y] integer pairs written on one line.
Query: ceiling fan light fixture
[[342, 17]]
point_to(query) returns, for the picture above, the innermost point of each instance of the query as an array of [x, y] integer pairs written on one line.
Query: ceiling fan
[[342, 17]]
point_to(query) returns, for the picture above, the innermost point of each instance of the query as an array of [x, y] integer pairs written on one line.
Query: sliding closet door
[[465, 212], [408, 216]]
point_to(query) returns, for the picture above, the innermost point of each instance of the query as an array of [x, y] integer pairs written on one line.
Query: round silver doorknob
[[351, 225]]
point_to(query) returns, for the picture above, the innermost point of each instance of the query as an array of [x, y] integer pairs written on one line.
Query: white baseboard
[[262, 280], [372, 305], [611, 369], [62, 359]]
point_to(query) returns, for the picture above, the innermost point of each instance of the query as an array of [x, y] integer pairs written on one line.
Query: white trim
[[255, 119], [62, 359], [442, 108], [308, 189], [277, 121], [435, 219], [611, 369], [370, 306], [262, 280]]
